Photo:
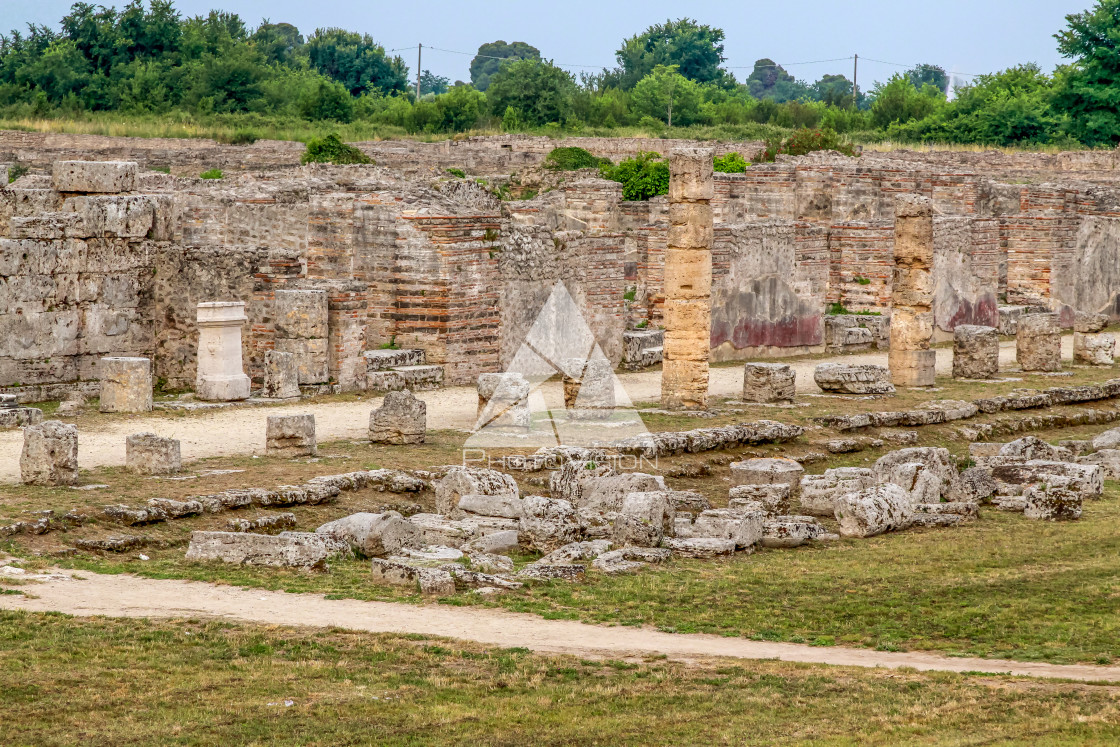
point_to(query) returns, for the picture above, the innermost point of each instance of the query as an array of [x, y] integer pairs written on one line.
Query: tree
[[667, 95], [278, 42], [833, 90], [327, 99], [491, 56], [769, 80], [898, 101], [356, 61], [460, 108], [1090, 90], [430, 83], [538, 92], [696, 50], [926, 74]]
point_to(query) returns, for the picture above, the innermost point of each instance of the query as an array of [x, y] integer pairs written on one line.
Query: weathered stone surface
[[769, 472], [540, 572], [768, 382], [282, 521], [281, 375], [94, 177], [843, 378], [1089, 478], [149, 454], [699, 547], [503, 401], [401, 419], [19, 417], [629, 559], [975, 352], [872, 511], [220, 376], [977, 484], [910, 359], [567, 483], [548, 524], [1109, 439], [576, 551], [126, 385], [642, 519], [291, 435], [1032, 447], [790, 531], [741, 525], [1057, 499], [607, 493], [1088, 322], [1107, 459], [374, 535], [775, 499], [428, 581], [286, 550], [913, 367], [589, 395], [50, 454], [473, 579], [497, 543], [1038, 343], [819, 492], [1094, 350], [940, 477], [504, 506], [440, 530], [642, 348], [460, 481], [176, 509]]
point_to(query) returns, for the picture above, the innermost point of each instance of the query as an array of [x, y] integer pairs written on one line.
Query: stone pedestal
[[301, 329], [281, 375], [221, 377], [768, 382], [291, 436], [769, 472], [1038, 343], [688, 281], [590, 396], [50, 454], [401, 419], [975, 352], [126, 385], [1094, 349], [503, 401], [910, 359], [148, 454]]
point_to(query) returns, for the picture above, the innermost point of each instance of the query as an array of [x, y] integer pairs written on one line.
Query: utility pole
[[419, 53], [855, 84]]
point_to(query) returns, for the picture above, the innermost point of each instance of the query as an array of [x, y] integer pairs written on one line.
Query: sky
[[963, 36]]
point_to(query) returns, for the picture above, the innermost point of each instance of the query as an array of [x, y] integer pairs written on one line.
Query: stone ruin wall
[[444, 267]]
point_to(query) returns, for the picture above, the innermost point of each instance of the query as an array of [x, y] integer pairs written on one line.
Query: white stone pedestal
[[221, 377]]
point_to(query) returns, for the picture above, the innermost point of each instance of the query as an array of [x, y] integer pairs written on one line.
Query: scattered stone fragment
[[1107, 459], [401, 419], [428, 581], [977, 484], [471, 579], [460, 481], [489, 563], [819, 492], [275, 522], [606, 494], [1094, 350], [768, 382], [497, 543], [553, 572], [875, 510], [504, 506], [548, 524], [774, 499], [149, 454], [1057, 499], [844, 378], [286, 550], [576, 551], [374, 535], [50, 454], [643, 519], [629, 559], [975, 352], [699, 547], [942, 473], [114, 543], [291, 436], [790, 531]]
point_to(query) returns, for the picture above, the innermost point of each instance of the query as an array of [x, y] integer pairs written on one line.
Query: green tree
[[1090, 90], [898, 101], [769, 80], [460, 108], [667, 95], [696, 50], [356, 61], [642, 177], [430, 83], [278, 42], [926, 74], [833, 90], [490, 57], [539, 92], [327, 99]]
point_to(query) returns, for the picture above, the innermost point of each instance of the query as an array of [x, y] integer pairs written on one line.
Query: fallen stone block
[[428, 581], [548, 524], [468, 579], [497, 543], [740, 525], [1031, 447], [774, 499], [576, 551], [401, 419], [872, 511], [94, 177], [977, 484], [1038, 343], [553, 572], [149, 454], [642, 519], [490, 563], [291, 436], [629, 559], [606, 494], [790, 531], [502, 506], [50, 454], [115, 543], [374, 535], [281, 375], [937, 461], [1107, 459], [286, 550], [843, 378], [1094, 350], [1058, 499], [175, 509], [439, 530], [699, 547], [567, 483], [460, 481], [975, 352], [768, 382], [126, 385], [819, 492], [275, 522], [1110, 439]]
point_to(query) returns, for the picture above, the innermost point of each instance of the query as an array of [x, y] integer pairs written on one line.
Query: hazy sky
[[964, 36]]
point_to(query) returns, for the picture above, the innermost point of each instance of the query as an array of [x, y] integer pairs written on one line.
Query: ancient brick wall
[[861, 261]]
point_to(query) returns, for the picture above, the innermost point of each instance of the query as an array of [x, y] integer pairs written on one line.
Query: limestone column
[[688, 281], [911, 360], [220, 377]]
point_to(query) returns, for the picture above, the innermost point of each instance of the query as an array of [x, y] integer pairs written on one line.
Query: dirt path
[[128, 596], [240, 430]]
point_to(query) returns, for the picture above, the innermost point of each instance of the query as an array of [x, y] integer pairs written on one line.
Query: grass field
[[98, 682]]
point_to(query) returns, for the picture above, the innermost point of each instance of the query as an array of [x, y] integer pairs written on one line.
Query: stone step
[[384, 360], [642, 348], [413, 378], [646, 358]]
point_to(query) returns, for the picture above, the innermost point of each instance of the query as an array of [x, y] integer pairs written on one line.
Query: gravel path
[[129, 596], [240, 430]]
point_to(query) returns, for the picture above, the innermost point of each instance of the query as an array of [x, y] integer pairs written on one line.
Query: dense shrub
[[732, 163], [573, 159], [642, 177], [807, 141], [331, 149]]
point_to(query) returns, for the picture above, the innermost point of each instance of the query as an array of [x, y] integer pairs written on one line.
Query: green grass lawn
[[121, 682]]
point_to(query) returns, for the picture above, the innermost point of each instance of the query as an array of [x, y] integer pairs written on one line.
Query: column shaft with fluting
[[688, 281]]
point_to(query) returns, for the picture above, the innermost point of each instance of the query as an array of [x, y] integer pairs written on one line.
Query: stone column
[[688, 281], [975, 352], [911, 360], [1038, 342], [221, 377], [126, 385]]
